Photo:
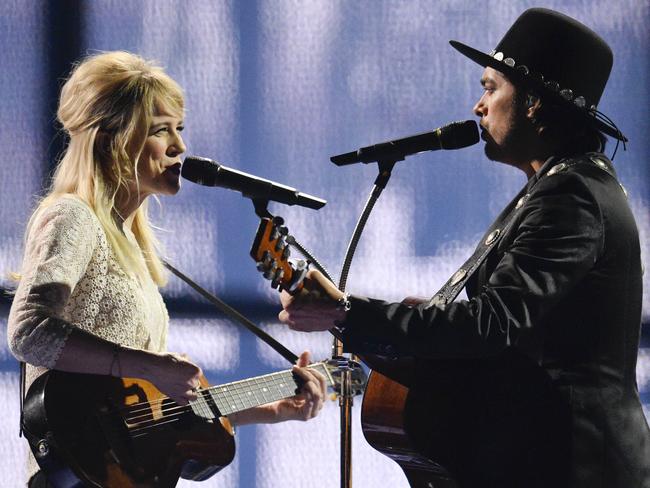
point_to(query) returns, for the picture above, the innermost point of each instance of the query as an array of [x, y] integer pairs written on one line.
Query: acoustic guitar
[[384, 401], [102, 431], [451, 422]]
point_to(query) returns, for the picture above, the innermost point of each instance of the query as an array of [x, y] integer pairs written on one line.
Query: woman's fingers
[[313, 389]]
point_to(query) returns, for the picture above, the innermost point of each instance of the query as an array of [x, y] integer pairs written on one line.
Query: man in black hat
[[531, 382]]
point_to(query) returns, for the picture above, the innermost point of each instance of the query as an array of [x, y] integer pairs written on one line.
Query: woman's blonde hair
[[106, 108]]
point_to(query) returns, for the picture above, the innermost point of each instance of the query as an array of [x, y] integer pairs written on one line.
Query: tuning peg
[[281, 243], [275, 233], [279, 274], [270, 271], [286, 252], [266, 258], [260, 266], [278, 221], [283, 230]]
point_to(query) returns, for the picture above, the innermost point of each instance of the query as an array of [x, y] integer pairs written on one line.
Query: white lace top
[[71, 278]]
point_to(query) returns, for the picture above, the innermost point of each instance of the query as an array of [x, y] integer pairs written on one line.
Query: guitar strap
[[504, 221], [234, 314], [458, 280]]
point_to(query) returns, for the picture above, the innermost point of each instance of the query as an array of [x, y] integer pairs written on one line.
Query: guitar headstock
[[271, 252]]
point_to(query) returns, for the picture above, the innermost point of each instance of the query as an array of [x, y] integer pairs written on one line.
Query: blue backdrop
[[275, 87]]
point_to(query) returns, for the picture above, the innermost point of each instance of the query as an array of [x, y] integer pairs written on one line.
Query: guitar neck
[[253, 392]]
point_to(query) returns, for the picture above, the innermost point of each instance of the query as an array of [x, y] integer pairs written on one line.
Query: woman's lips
[[174, 169]]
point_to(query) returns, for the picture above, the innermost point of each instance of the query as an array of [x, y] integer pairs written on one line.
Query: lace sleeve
[[58, 250]]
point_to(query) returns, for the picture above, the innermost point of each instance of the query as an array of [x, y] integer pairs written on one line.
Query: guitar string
[[144, 426], [145, 422], [236, 386], [151, 423], [167, 416], [143, 414]]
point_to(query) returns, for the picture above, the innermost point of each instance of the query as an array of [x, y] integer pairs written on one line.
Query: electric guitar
[[446, 422], [102, 431]]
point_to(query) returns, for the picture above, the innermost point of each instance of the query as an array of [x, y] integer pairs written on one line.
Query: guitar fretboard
[[252, 392]]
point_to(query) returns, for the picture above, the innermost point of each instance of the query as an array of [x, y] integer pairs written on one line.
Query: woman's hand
[[315, 308], [303, 406], [306, 404], [173, 374]]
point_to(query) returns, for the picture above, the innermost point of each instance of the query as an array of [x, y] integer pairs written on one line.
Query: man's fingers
[[286, 299]]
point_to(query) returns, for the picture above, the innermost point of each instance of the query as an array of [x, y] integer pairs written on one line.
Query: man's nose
[[480, 109]]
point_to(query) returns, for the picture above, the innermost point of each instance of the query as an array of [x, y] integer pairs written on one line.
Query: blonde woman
[[88, 299]]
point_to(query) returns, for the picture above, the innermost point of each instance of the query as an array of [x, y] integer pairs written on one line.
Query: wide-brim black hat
[[557, 56]]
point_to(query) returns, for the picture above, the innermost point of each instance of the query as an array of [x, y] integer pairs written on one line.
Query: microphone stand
[[345, 365], [346, 396]]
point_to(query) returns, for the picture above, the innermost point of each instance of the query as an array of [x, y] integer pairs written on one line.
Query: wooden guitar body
[[494, 423], [384, 427], [100, 431]]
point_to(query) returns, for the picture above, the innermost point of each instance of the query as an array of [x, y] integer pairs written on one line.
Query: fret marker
[[264, 389]]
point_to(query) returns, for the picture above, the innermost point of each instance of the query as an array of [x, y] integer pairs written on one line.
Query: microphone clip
[[262, 208]]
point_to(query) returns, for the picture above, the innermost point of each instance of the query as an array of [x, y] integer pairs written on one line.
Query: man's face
[[501, 119]]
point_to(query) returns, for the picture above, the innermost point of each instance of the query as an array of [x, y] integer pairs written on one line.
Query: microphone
[[210, 173], [450, 136]]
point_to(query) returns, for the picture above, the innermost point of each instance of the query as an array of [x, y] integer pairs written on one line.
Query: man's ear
[[533, 104]]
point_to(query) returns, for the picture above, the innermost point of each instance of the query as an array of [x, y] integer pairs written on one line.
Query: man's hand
[[315, 307]]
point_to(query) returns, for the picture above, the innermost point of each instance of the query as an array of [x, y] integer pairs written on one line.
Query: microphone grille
[[202, 171], [459, 134]]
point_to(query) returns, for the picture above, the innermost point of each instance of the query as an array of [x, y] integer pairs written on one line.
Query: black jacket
[[561, 290]]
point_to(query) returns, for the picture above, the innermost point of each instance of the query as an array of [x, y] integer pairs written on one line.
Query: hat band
[[566, 93]]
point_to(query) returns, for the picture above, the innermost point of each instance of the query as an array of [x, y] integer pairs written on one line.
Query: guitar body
[[384, 423], [491, 423], [100, 431]]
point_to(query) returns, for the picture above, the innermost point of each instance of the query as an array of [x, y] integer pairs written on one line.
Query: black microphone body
[[210, 173], [451, 136]]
